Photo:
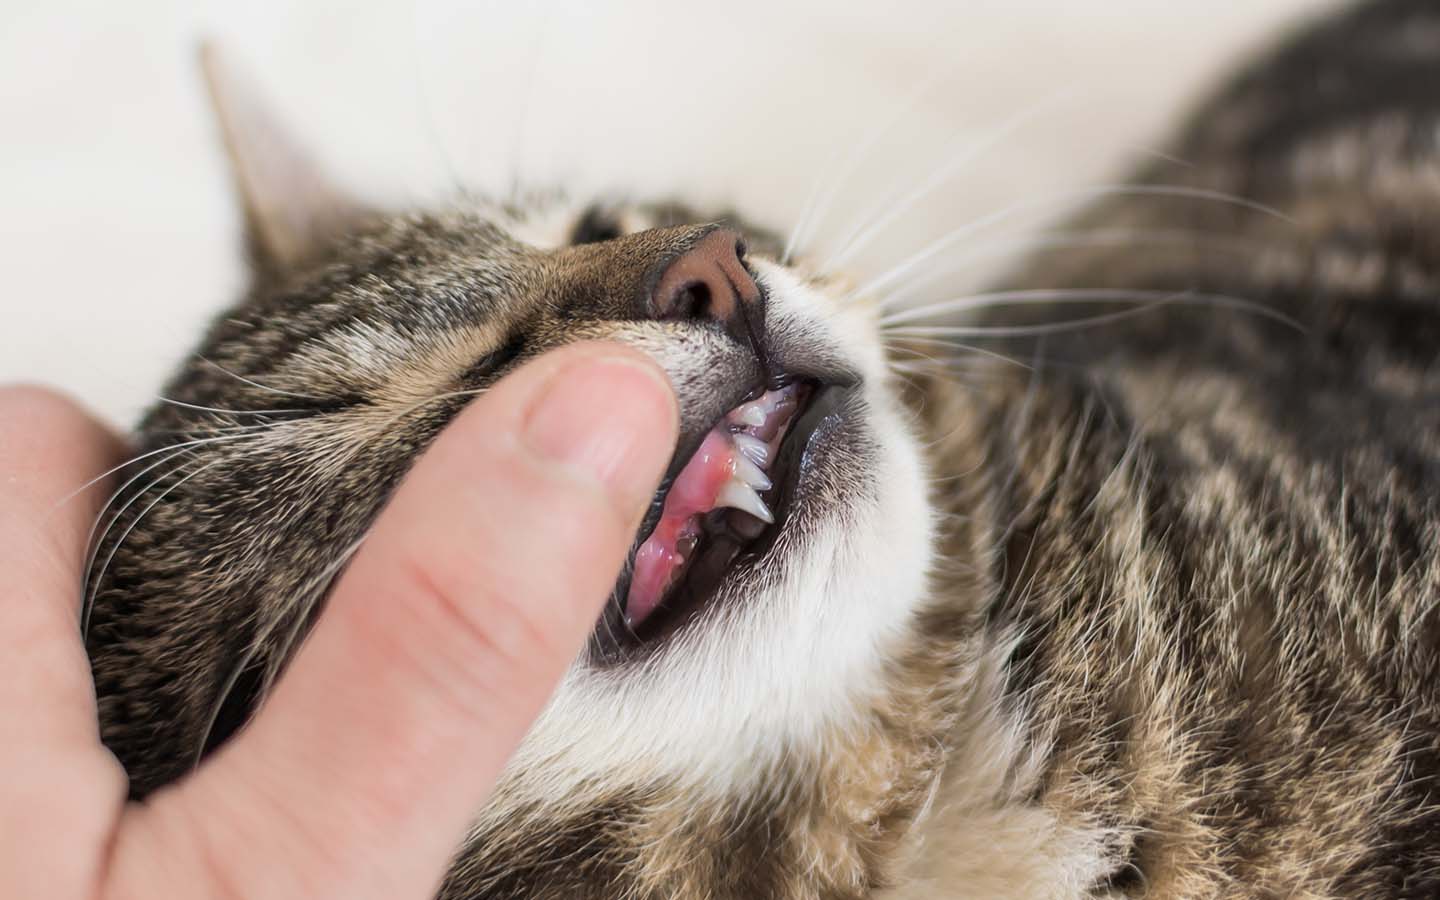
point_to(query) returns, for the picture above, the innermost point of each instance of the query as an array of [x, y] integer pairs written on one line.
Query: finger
[[60, 789], [477, 588]]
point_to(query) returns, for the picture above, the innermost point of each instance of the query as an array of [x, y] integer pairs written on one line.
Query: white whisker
[[1042, 204], [93, 546], [1067, 240], [134, 459], [1076, 295], [893, 207], [89, 603], [1002, 331], [817, 207], [230, 412], [281, 653], [953, 345], [253, 383], [426, 109]]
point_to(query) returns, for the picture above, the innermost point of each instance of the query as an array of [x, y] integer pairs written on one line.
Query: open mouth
[[729, 499]]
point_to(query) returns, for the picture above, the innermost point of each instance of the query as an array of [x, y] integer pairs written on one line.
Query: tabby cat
[[1142, 601]]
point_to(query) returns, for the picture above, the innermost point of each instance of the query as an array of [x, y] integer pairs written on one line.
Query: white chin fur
[[785, 666]]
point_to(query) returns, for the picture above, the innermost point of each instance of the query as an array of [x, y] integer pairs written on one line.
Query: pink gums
[[692, 495], [699, 488]]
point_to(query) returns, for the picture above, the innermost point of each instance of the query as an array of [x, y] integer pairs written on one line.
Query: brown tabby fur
[[1184, 638]]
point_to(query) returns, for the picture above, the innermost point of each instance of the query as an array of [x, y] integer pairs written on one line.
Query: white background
[[118, 237]]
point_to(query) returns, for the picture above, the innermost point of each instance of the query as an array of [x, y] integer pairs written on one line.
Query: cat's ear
[[291, 208]]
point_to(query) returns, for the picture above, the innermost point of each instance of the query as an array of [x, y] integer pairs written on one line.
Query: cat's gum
[[728, 470]]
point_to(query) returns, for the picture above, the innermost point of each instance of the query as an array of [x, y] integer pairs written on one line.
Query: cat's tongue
[[728, 470]]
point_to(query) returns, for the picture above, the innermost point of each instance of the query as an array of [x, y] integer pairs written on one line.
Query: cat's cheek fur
[[786, 656]]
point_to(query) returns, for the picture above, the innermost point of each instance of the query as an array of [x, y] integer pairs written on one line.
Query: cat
[[1141, 600]]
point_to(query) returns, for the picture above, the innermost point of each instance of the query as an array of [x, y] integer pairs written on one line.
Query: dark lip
[[613, 641]]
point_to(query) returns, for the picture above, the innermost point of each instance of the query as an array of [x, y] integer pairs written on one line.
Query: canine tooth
[[750, 414], [751, 474], [752, 448], [741, 496]]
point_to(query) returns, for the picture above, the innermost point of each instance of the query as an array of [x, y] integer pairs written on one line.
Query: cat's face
[[773, 590], [772, 640], [768, 634]]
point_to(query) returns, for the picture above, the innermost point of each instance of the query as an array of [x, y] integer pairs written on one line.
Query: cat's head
[[772, 670]]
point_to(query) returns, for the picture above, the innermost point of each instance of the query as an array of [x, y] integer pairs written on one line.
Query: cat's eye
[[594, 226]]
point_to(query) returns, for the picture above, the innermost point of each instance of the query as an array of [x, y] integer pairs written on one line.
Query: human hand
[[440, 644]]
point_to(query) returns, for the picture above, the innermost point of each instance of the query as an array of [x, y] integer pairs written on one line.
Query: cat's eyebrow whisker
[[1054, 201], [839, 173], [230, 412], [209, 429], [886, 212], [254, 383], [1150, 298], [340, 461], [1061, 239]]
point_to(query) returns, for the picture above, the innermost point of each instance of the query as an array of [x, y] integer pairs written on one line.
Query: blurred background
[[119, 237]]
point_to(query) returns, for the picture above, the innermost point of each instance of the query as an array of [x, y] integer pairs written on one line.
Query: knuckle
[[489, 631]]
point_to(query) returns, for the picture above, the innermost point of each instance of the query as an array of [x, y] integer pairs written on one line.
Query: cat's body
[[1169, 627]]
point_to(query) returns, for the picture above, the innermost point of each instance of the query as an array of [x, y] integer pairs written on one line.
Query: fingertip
[[610, 416]]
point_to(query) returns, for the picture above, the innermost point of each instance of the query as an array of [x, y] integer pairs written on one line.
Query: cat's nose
[[710, 281]]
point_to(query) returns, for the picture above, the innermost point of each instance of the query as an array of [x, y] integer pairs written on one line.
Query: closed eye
[[594, 226], [492, 362]]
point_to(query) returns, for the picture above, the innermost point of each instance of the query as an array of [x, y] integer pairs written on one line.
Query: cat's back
[[1218, 499]]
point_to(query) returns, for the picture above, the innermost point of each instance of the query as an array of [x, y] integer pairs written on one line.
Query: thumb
[[476, 589]]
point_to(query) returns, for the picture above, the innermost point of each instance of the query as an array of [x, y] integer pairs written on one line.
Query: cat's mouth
[[726, 503]]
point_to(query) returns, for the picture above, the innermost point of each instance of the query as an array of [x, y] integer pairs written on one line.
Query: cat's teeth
[[742, 496], [749, 414], [752, 448], [751, 474]]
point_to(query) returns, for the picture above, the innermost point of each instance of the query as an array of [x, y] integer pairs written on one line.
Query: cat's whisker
[[226, 686], [333, 462], [89, 603], [134, 459], [423, 105], [1150, 298], [953, 345], [281, 652], [89, 586], [231, 412], [253, 383], [1005, 331], [908, 375], [918, 362], [520, 137], [1026, 241], [93, 546], [839, 174], [1050, 203], [890, 209], [208, 429]]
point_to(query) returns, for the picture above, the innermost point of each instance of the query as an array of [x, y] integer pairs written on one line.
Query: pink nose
[[708, 281]]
